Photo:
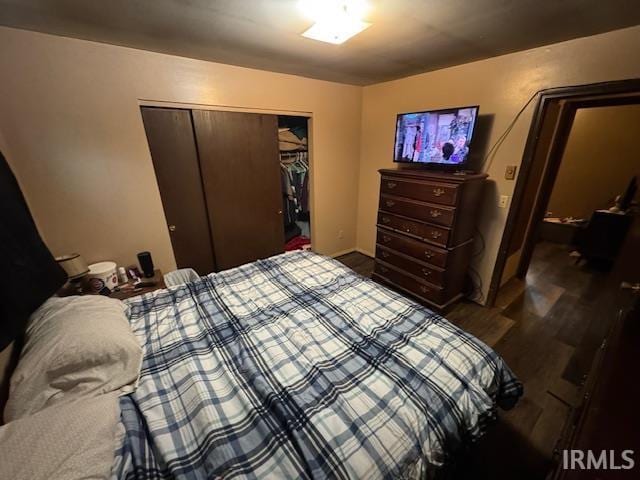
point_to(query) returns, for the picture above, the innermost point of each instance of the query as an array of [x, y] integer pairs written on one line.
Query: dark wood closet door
[[175, 160], [241, 176]]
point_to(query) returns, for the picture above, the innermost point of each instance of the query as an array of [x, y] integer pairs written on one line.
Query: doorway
[[548, 136], [588, 209]]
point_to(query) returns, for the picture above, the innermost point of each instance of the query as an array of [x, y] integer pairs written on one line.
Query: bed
[[296, 367]]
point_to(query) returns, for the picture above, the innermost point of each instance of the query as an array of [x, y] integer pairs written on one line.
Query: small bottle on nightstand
[[122, 275]]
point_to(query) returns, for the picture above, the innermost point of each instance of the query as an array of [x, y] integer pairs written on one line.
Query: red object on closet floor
[[297, 243]]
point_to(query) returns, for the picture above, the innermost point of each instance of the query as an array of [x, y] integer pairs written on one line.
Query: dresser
[[425, 228]]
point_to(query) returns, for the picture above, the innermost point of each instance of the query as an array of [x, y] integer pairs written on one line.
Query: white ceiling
[[407, 36]]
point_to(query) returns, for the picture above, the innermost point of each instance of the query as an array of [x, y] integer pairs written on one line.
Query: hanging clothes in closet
[[294, 165], [295, 189]]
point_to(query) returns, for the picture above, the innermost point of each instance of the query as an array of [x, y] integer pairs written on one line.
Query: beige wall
[[501, 86], [601, 156], [70, 118]]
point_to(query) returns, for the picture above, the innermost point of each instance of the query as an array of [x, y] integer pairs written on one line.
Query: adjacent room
[[319, 239]]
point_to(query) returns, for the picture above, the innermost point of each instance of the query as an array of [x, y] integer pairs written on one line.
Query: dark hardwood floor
[[362, 264], [548, 329]]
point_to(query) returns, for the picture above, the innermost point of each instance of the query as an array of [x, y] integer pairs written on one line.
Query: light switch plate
[[510, 172], [504, 201]]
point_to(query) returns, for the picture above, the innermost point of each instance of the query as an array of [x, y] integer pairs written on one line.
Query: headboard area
[[30, 274]]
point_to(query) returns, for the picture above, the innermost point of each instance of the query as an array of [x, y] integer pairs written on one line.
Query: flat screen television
[[435, 138]]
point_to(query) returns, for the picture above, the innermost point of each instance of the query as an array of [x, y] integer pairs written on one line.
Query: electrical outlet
[[504, 201], [510, 172], [340, 234]]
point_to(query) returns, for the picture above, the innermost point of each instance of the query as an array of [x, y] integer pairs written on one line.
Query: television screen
[[435, 137]]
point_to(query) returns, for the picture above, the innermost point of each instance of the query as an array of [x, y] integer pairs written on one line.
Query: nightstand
[[127, 290]]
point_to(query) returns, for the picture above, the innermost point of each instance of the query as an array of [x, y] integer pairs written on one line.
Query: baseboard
[[343, 252], [352, 250], [365, 252]]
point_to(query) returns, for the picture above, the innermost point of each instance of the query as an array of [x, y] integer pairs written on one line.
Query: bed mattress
[[296, 367]]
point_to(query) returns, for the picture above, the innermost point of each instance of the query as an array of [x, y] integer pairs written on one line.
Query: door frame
[[143, 102], [541, 161]]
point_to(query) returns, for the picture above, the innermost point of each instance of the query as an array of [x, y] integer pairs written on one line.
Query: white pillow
[[71, 441], [74, 346]]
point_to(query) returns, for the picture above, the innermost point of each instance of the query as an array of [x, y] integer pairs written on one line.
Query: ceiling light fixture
[[336, 20]]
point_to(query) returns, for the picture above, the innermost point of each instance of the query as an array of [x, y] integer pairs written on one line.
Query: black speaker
[[146, 263]]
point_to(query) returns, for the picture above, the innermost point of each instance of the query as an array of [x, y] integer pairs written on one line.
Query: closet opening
[[234, 186], [293, 143]]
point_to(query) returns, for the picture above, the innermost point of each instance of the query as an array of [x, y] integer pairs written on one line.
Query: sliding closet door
[[241, 176], [175, 160]]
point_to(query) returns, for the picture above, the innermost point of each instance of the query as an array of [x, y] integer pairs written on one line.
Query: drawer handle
[[391, 185], [386, 220], [435, 213], [408, 230], [428, 254], [384, 269], [385, 254], [424, 289], [426, 272], [435, 234], [438, 192], [386, 239], [390, 203]]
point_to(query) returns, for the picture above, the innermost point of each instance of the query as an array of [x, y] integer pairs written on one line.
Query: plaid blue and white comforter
[[296, 367]]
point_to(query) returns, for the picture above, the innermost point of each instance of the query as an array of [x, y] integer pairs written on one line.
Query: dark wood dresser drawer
[[430, 233], [428, 212], [413, 248], [414, 285], [442, 193], [411, 265]]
